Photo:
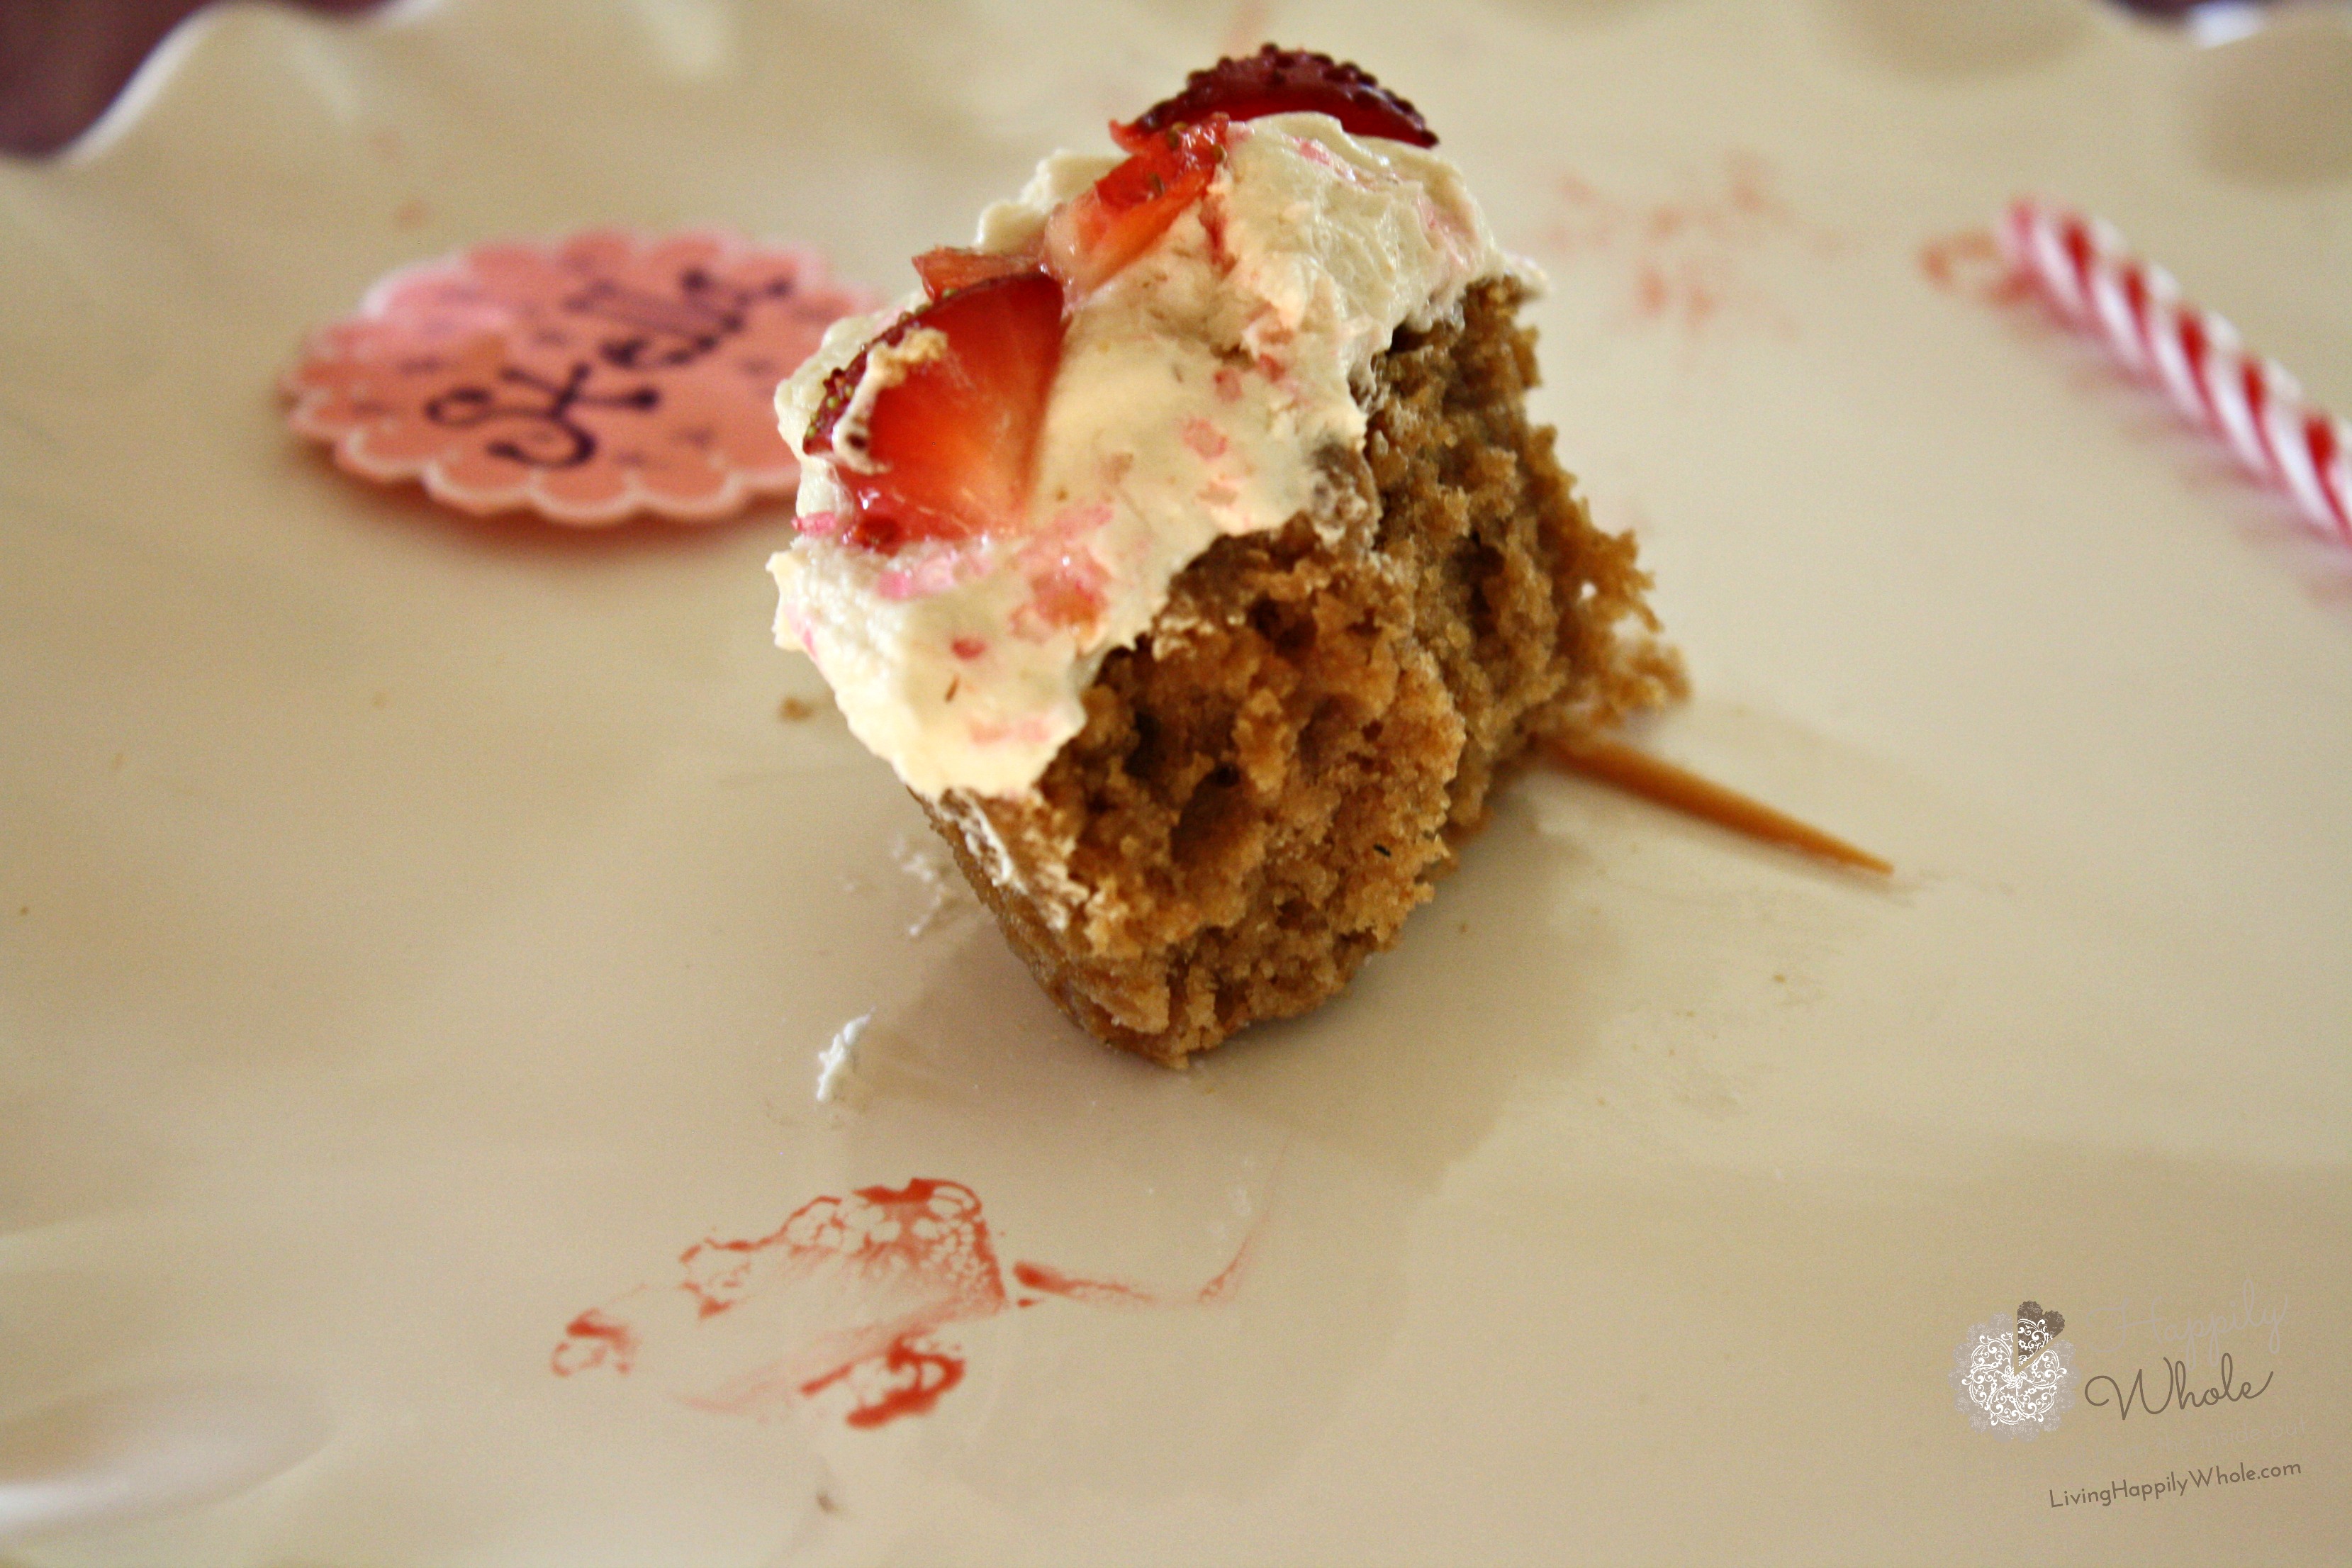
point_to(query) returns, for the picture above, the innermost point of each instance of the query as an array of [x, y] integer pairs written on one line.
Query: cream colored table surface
[[415, 932]]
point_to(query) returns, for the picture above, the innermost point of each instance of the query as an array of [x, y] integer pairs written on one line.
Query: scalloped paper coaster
[[588, 379]]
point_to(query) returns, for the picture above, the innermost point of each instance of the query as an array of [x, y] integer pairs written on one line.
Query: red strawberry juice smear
[[875, 1277]]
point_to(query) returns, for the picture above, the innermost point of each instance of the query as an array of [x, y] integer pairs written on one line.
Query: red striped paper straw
[[2083, 266]]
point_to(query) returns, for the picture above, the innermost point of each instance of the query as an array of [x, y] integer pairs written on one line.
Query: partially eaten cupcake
[[1187, 550]]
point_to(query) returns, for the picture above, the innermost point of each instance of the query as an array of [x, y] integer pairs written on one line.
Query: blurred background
[[63, 62]]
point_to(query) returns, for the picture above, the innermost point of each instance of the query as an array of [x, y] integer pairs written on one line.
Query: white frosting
[[1196, 388]]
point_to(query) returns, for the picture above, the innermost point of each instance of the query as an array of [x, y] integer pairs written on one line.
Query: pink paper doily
[[588, 379]]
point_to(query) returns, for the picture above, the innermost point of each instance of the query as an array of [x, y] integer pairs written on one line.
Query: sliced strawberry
[[949, 268], [948, 452], [1093, 234], [1283, 82]]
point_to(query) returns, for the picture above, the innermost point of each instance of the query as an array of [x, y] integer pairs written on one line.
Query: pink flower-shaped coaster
[[588, 379]]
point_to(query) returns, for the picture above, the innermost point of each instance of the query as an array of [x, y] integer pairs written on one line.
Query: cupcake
[[1185, 547]]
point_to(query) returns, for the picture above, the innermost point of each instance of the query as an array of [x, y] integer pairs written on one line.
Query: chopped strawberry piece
[[1283, 82], [1096, 233], [949, 268], [948, 450], [1069, 594]]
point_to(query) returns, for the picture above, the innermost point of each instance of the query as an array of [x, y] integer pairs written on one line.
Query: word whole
[[2175, 1392]]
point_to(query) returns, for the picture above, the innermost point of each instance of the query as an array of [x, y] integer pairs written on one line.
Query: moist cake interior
[[1272, 778]]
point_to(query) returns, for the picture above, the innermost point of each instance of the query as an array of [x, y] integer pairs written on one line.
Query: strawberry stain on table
[[850, 1295], [1047, 1280], [1690, 260], [591, 1339], [1967, 262]]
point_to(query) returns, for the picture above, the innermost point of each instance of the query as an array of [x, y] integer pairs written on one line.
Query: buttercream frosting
[[1199, 389]]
